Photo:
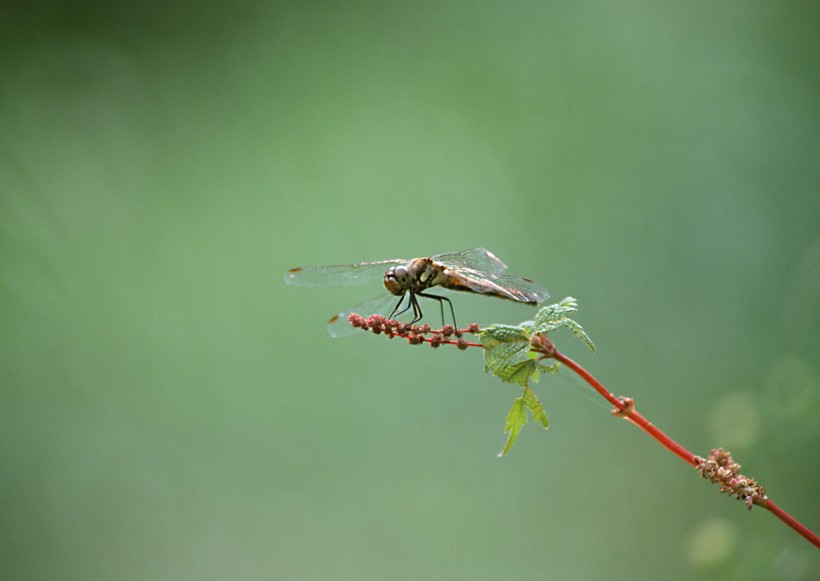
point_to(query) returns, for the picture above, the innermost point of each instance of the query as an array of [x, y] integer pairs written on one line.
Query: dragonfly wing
[[340, 274], [514, 288], [534, 291], [475, 259], [379, 305]]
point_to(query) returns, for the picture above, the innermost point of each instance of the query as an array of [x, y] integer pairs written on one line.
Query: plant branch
[[719, 467], [508, 352], [625, 408]]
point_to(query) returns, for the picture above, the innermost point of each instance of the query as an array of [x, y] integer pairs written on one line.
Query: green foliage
[[507, 352], [515, 421], [517, 417], [554, 316], [509, 355]]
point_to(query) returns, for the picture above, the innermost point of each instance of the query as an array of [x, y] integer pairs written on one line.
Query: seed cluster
[[720, 468], [415, 334]]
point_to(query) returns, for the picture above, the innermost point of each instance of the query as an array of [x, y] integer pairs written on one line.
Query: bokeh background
[[169, 409]]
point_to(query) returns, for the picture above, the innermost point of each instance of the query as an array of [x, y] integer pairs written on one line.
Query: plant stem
[[730, 481], [628, 411], [792, 522], [625, 408]]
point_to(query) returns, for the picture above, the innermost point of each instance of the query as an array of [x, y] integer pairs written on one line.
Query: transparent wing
[[479, 259], [530, 289], [380, 305], [340, 274], [506, 286]]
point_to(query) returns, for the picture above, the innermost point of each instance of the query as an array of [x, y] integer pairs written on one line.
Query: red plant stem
[[628, 411], [790, 521], [630, 414], [624, 407], [450, 342]]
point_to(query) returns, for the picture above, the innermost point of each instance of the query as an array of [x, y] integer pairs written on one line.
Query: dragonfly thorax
[[415, 276]]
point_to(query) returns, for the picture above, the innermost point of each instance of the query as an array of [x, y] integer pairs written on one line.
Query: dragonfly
[[476, 270]]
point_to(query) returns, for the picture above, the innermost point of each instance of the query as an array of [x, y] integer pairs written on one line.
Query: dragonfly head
[[397, 280]]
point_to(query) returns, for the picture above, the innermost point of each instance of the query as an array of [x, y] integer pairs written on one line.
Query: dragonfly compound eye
[[396, 280]]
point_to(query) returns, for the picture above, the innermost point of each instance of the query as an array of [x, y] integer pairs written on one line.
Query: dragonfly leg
[[441, 301], [396, 311], [416, 309], [411, 303]]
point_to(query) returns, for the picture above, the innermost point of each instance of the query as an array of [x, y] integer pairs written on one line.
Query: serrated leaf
[[551, 314], [551, 368], [552, 317], [495, 335], [516, 420], [539, 414], [506, 353], [579, 332], [519, 373]]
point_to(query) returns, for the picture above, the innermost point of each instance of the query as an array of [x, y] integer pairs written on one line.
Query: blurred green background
[[170, 409]]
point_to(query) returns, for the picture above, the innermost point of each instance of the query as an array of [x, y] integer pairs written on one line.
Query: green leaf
[[551, 368], [519, 373], [539, 414], [579, 333], [552, 317], [507, 353], [495, 335], [516, 420]]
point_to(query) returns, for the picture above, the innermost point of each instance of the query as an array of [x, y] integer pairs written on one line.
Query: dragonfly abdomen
[[462, 282]]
